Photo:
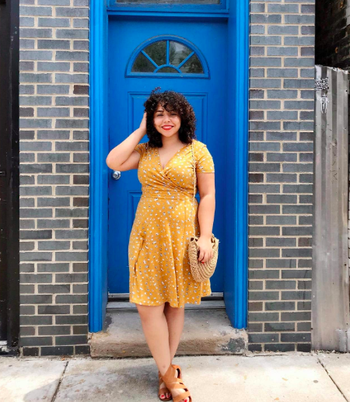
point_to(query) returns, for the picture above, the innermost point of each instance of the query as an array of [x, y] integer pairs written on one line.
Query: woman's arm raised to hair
[[123, 157]]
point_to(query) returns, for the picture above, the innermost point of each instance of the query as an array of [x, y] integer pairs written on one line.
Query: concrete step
[[206, 332], [206, 304]]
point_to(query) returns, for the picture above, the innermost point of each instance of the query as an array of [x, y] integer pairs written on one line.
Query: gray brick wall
[[281, 174], [54, 176]]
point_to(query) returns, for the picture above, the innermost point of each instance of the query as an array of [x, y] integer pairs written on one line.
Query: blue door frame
[[236, 285]]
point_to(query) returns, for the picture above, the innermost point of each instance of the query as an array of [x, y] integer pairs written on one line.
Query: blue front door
[[187, 57]]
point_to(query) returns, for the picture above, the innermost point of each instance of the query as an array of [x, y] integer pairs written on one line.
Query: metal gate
[[330, 272]]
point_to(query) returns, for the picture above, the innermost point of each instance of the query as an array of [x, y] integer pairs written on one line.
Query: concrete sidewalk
[[282, 377]]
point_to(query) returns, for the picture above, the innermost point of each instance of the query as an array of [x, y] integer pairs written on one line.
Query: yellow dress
[[159, 269]]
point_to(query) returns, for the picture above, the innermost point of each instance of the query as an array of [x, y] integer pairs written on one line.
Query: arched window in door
[[168, 56]]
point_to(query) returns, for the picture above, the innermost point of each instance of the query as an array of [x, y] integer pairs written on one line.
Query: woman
[[166, 217]]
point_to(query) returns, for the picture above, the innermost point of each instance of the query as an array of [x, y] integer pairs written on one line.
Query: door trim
[[236, 285]]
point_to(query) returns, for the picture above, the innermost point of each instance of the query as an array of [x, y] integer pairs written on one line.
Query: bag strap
[[194, 187]]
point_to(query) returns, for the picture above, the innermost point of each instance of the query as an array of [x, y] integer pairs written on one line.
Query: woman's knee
[[149, 313], [174, 310]]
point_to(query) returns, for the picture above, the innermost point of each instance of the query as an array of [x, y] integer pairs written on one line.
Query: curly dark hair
[[171, 101]]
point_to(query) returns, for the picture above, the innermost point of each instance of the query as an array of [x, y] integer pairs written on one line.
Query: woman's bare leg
[[156, 332], [155, 327], [175, 318]]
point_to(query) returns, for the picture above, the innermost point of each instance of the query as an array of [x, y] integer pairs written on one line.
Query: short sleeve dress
[[165, 218]]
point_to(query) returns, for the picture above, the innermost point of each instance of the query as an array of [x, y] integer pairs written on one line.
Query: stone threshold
[[207, 331]]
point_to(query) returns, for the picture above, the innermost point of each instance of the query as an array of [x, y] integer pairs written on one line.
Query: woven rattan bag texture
[[201, 271]]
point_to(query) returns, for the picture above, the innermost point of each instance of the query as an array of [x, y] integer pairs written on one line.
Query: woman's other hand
[[205, 249]]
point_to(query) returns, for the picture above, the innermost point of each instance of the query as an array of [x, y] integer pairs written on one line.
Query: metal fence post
[[330, 275]]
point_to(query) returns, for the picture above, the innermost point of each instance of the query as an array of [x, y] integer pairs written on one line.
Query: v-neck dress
[[165, 218]]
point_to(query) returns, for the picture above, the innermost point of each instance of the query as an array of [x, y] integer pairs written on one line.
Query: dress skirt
[[165, 219]]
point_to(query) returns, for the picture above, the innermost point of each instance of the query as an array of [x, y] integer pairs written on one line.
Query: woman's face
[[166, 123]]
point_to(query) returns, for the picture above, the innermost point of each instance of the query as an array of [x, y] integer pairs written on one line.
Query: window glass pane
[[168, 70], [142, 65], [157, 52], [155, 55], [178, 53], [192, 65], [140, 2]]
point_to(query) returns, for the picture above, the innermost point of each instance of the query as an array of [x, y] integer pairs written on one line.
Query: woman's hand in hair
[[143, 124]]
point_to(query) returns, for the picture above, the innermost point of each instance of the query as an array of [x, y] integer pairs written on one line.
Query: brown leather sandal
[[177, 367], [163, 390], [173, 382]]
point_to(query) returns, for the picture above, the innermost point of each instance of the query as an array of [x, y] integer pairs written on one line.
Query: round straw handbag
[[201, 271]]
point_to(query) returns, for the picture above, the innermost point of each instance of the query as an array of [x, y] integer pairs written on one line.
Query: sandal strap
[[182, 396], [179, 385], [162, 390], [169, 376], [173, 382], [177, 367]]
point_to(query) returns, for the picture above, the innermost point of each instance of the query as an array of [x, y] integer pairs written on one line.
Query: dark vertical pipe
[[9, 174], [13, 180]]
